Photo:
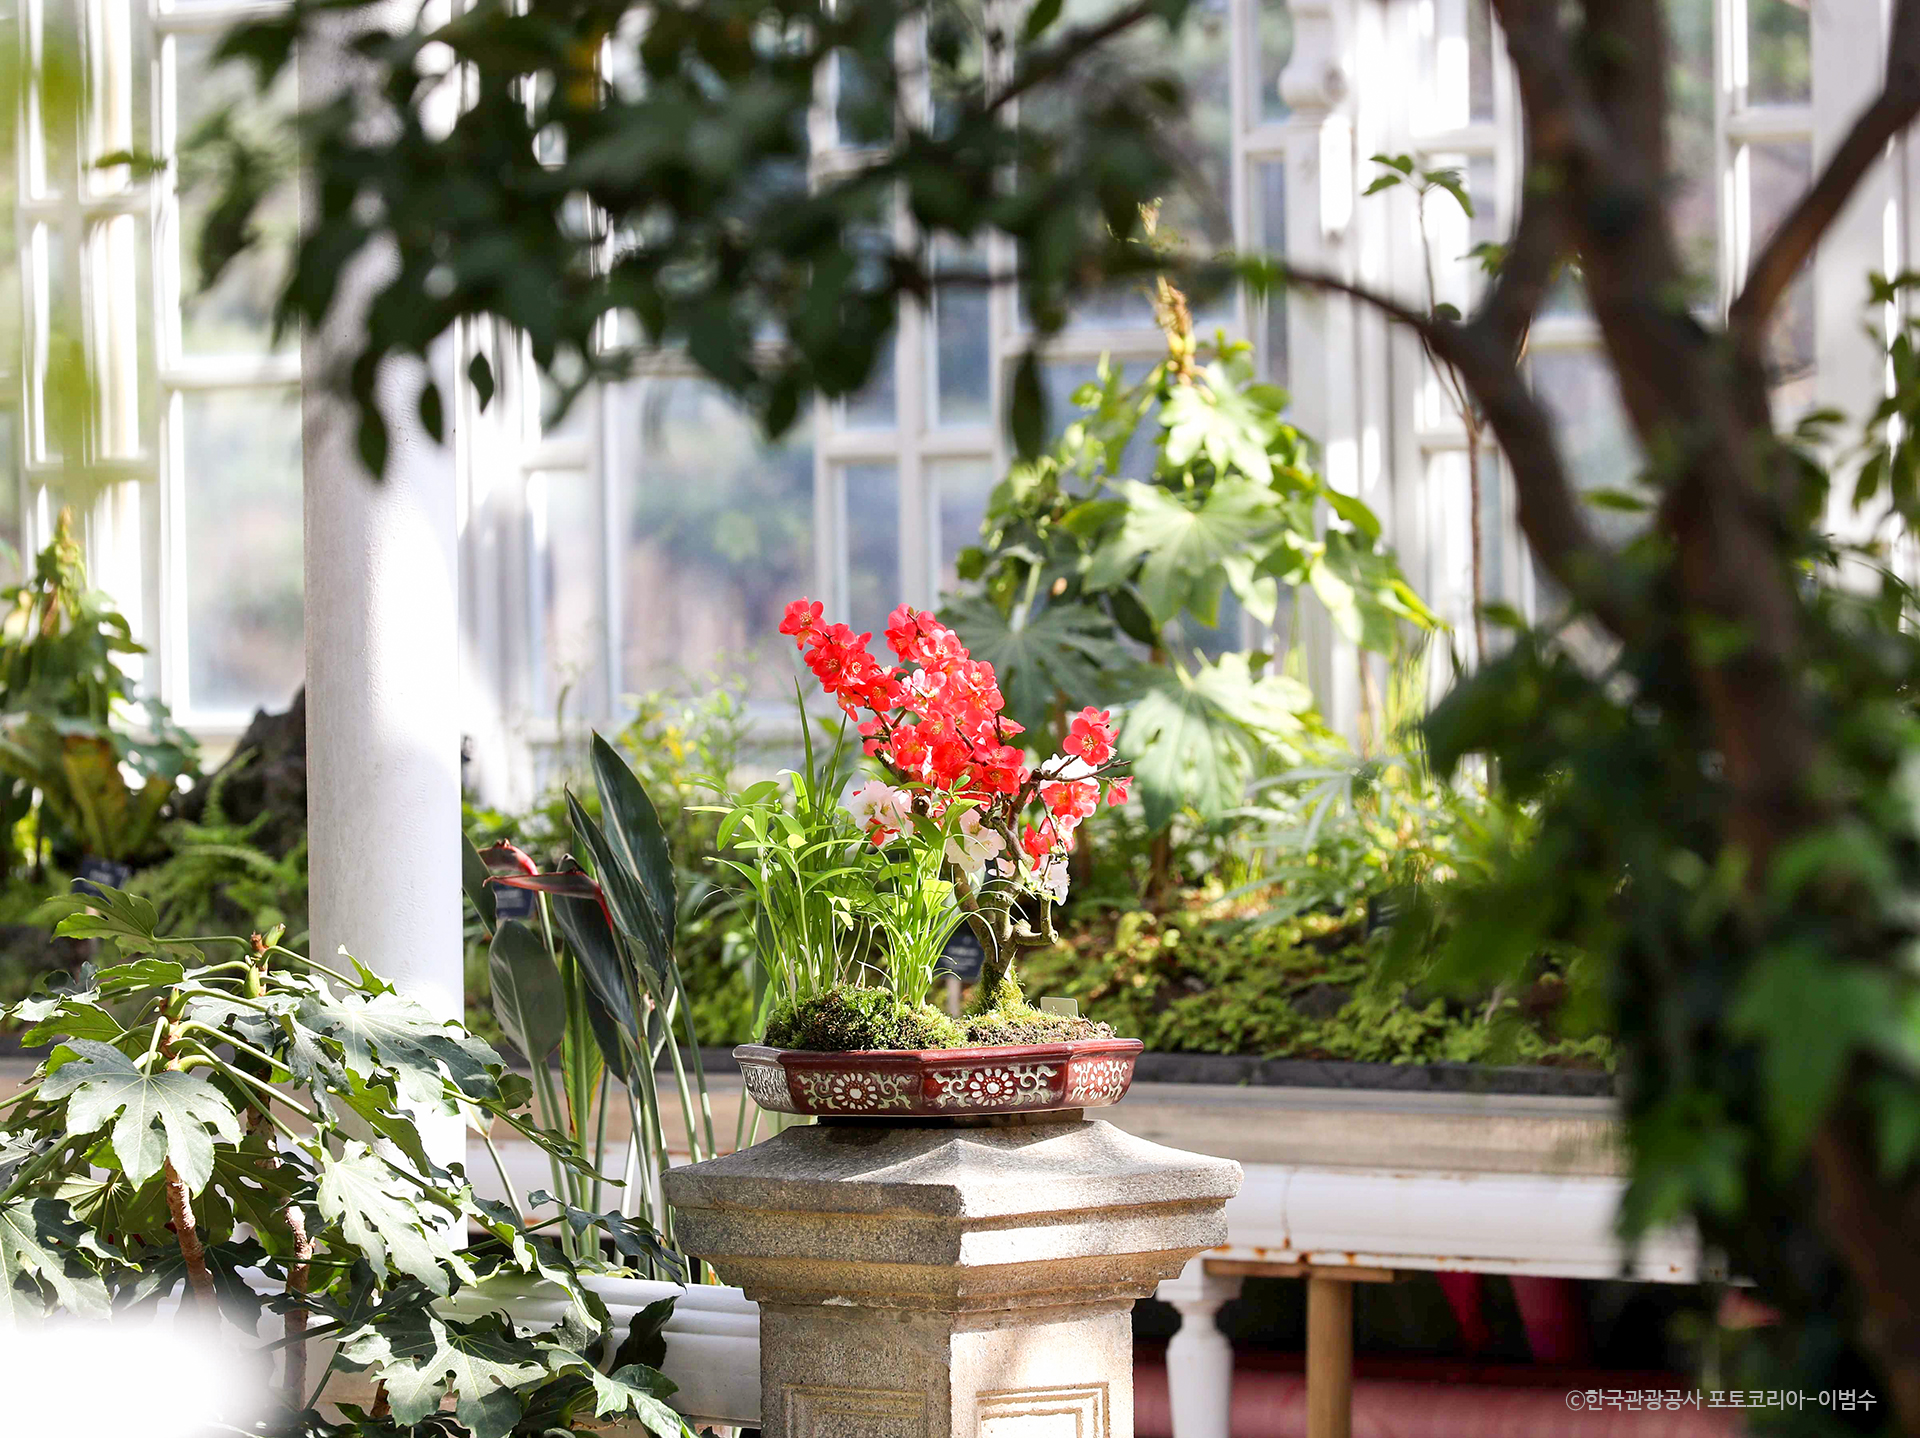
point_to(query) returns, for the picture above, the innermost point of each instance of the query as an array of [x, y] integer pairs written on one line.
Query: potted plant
[[856, 882]]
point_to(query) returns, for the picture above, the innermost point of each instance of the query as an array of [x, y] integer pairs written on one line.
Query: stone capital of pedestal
[[1050, 1211], [950, 1280]]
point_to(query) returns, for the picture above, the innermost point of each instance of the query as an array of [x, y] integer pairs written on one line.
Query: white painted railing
[[1514, 1223]]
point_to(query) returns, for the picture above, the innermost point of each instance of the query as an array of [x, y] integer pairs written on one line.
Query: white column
[[1199, 1357], [1320, 328], [383, 670]]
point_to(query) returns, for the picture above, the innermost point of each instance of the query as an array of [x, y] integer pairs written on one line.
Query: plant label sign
[[963, 956], [91, 873], [512, 903]]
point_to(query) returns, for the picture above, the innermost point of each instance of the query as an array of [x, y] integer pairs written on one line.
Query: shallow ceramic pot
[[939, 1083]]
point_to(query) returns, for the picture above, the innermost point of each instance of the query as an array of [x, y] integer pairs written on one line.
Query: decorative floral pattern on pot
[[997, 1086], [1096, 1082], [857, 1091]]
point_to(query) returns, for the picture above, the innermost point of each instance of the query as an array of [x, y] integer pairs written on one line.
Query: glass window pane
[[1060, 379], [1479, 60], [1270, 183], [717, 536], [1694, 188], [1275, 20], [215, 106], [962, 340], [1779, 60], [1777, 175], [242, 536], [863, 113], [874, 404], [961, 488], [563, 514], [11, 568], [1198, 215], [1595, 437], [873, 544]]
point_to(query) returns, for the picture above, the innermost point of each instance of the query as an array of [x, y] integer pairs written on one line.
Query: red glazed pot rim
[[1072, 1048]]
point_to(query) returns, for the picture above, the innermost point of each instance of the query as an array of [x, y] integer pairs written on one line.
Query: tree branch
[[1550, 511], [1892, 111]]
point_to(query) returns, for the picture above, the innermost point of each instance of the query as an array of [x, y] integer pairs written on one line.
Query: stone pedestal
[[948, 1279]]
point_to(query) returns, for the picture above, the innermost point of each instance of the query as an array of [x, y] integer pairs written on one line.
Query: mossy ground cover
[[1196, 980]]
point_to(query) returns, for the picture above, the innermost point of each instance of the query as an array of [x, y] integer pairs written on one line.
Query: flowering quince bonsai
[[955, 784]]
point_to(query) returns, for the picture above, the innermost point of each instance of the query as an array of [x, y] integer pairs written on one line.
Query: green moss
[[843, 1019]]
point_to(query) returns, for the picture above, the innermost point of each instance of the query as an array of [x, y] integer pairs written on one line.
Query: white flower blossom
[[880, 809], [1051, 876], [973, 843]]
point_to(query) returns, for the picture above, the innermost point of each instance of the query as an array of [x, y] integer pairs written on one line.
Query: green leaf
[[385, 1032], [482, 1364], [1192, 737], [1059, 651], [632, 1389], [124, 920], [639, 843], [1183, 544], [41, 1242], [1040, 19], [480, 373], [1809, 1013], [1355, 512], [382, 1214], [473, 879], [156, 1117], [527, 997], [1027, 408]]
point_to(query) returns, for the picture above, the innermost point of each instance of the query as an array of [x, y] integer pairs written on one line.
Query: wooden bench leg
[[1329, 1358]]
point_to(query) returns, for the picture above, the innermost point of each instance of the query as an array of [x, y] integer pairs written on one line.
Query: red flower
[[1117, 790], [802, 619], [1090, 736]]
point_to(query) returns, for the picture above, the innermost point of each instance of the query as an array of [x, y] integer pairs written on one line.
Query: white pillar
[[382, 621], [1199, 1357], [1320, 328]]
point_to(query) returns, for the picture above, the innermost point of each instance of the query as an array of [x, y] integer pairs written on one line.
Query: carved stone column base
[[950, 1280]]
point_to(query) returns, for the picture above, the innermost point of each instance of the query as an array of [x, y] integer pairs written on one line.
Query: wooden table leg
[[1329, 1358]]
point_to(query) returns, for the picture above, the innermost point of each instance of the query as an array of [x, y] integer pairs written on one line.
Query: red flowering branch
[[936, 724]]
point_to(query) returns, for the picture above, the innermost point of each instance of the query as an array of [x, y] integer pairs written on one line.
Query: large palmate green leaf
[[527, 997], [40, 1241], [1041, 655], [1182, 542], [1223, 423], [639, 843], [1192, 735], [423, 1358], [157, 1117], [384, 1031], [632, 1389], [380, 1213]]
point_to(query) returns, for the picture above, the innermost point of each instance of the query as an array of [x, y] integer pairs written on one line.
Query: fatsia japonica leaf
[[1192, 734], [481, 1364], [1220, 422], [157, 1117], [384, 1033], [40, 1242], [386, 1218], [1182, 541], [126, 921], [1044, 655], [629, 1390]]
